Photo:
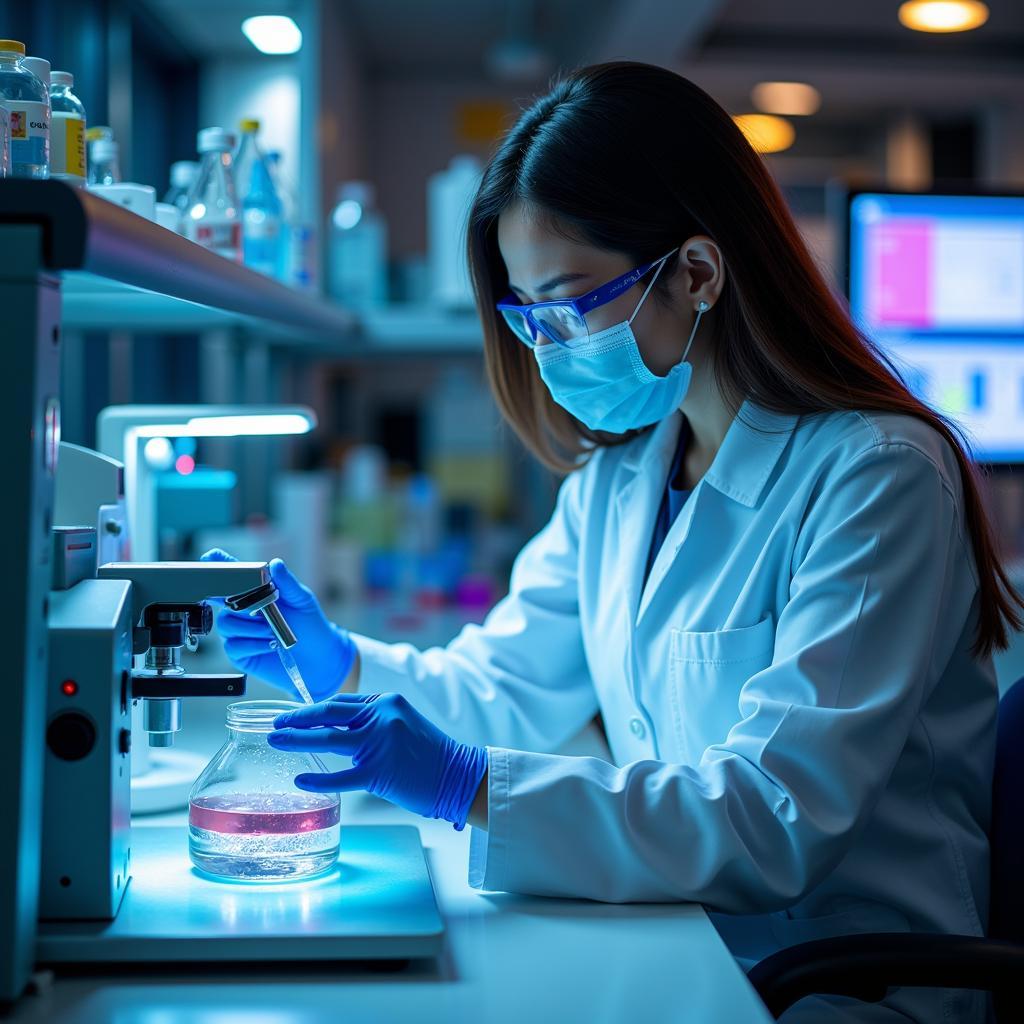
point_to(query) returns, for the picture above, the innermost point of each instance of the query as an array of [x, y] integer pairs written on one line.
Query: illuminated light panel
[[273, 33], [230, 426], [235, 426], [766, 132], [796, 99], [943, 15]]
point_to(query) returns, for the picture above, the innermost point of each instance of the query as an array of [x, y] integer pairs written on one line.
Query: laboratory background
[[248, 291]]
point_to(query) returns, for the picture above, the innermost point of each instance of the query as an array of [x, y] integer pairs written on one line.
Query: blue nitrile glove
[[324, 652], [396, 753]]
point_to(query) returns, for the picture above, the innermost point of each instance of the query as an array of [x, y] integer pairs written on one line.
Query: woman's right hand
[[324, 653]]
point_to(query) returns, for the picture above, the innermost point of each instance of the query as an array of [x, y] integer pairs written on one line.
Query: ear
[[701, 259]]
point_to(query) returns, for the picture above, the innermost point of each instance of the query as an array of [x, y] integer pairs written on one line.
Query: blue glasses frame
[[524, 323]]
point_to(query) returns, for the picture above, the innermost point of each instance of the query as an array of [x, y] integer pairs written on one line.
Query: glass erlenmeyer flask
[[246, 818]]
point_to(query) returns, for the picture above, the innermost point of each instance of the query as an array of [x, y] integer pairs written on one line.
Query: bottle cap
[[215, 140], [99, 131], [12, 46], [361, 192], [103, 150], [249, 124], [40, 68], [183, 173], [62, 78]]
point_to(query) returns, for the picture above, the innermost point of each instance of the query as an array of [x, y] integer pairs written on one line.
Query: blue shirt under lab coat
[[673, 498], [801, 738]]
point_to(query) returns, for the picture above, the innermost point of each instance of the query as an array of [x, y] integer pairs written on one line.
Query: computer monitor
[[937, 282]]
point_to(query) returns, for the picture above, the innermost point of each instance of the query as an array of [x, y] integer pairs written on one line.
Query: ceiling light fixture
[[943, 15], [796, 99], [273, 33]]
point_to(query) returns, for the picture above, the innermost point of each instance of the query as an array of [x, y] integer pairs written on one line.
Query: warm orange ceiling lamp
[[943, 15], [766, 132], [796, 99]]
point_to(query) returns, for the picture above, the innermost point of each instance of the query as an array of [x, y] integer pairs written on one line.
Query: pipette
[[292, 669]]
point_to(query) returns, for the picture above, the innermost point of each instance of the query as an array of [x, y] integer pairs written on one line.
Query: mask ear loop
[[661, 264], [702, 308]]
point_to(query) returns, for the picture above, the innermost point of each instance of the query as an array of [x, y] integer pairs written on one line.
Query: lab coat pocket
[[707, 671]]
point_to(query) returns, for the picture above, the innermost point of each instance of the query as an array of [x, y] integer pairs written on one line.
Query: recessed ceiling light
[[766, 132], [793, 98], [273, 33], [943, 15]]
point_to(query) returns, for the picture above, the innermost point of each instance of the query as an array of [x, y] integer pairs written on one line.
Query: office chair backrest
[[1006, 907]]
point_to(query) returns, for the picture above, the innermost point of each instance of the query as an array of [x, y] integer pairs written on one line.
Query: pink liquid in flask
[[264, 836], [253, 815]]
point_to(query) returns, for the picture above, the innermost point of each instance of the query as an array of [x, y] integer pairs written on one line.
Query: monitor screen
[[937, 281]]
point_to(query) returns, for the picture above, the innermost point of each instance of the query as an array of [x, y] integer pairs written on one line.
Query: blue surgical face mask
[[606, 384]]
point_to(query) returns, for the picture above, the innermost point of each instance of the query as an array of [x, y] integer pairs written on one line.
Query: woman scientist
[[768, 568]]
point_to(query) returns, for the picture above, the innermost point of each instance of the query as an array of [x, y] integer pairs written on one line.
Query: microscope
[[102, 621]]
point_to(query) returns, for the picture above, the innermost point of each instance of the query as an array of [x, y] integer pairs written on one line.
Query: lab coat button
[[636, 726]]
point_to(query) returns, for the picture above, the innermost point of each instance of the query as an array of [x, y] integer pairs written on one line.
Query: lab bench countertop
[[506, 958]]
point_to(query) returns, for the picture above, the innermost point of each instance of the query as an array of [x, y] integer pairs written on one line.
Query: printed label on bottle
[[30, 134], [67, 145], [224, 238], [266, 229]]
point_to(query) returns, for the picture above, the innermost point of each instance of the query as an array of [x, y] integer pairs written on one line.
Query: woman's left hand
[[396, 753]]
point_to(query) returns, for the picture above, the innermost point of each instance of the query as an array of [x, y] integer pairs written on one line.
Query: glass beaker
[[246, 818]]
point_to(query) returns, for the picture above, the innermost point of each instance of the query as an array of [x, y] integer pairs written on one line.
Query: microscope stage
[[376, 903]]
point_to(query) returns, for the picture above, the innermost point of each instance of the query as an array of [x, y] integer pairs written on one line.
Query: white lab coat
[[802, 740]]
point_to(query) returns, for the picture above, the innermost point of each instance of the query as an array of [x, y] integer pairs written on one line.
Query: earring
[[702, 308]]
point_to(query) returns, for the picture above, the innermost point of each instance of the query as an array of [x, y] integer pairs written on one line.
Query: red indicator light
[[184, 464], [69, 687]]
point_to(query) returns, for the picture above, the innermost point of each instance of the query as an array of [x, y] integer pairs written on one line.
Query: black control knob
[[124, 741], [71, 736]]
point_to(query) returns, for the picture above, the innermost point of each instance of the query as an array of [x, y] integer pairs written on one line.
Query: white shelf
[[122, 271]]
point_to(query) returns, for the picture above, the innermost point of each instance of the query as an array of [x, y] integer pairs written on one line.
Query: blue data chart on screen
[[937, 281]]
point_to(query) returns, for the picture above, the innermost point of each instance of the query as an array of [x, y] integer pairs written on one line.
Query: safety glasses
[[564, 321]]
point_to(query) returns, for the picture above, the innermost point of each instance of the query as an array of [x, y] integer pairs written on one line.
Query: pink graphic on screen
[[900, 272]]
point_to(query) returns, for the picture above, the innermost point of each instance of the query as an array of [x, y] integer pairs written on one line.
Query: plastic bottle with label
[[299, 246], [67, 130], [183, 177], [212, 216], [286, 254], [261, 206], [27, 102], [104, 167], [449, 196], [358, 248]]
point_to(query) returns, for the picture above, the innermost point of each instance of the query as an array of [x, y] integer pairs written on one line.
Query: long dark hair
[[634, 159]]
